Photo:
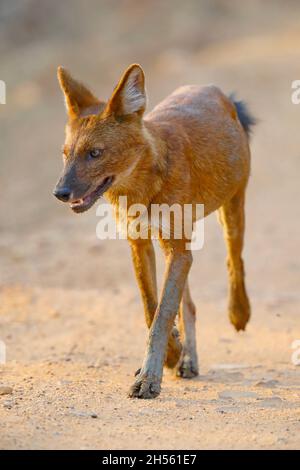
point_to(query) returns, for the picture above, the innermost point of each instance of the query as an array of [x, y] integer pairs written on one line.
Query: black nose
[[63, 194]]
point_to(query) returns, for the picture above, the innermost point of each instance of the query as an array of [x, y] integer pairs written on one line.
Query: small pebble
[[267, 383], [83, 414], [236, 394], [5, 390]]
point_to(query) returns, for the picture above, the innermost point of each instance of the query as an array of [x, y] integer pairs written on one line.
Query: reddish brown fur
[[190, 149]]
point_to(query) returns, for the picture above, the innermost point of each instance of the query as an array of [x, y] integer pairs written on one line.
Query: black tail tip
[[245, 117]]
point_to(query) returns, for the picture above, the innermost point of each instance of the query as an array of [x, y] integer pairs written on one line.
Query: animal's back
[[204, 109], [190, 100], [204, 133]]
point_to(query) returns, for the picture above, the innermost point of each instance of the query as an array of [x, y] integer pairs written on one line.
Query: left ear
[[78, 98], [129, 96]]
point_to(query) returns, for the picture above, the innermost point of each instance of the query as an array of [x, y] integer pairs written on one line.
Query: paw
[[187, 368], [145, 387], [239, 311], [174, 349]]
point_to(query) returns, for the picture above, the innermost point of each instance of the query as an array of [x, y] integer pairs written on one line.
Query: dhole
[[192, 148]]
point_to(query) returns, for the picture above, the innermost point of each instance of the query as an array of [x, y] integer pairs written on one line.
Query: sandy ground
[[70, 312]]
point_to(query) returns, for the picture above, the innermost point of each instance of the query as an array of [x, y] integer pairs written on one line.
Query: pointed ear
[[78, 99], [129, 96]]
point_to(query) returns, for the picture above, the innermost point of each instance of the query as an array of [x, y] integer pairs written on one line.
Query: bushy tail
[[245, 117]]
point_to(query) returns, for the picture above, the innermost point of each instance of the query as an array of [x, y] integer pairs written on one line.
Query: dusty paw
[[145, 387], [174, 349], [187, 368]]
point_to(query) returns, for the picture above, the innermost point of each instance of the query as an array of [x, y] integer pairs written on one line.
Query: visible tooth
[[77, 202]]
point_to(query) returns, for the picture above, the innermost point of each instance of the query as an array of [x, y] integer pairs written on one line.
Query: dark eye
[[95, 153]]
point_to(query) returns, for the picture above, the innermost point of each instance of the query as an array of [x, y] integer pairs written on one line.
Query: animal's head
[[103, 140]]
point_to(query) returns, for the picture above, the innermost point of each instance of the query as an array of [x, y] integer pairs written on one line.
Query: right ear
[[129, 96], [78, 99]]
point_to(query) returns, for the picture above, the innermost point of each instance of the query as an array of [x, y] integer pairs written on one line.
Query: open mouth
[[85, 203]]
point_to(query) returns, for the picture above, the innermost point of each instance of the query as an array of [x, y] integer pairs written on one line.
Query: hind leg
[[232, 218], [188, 364]]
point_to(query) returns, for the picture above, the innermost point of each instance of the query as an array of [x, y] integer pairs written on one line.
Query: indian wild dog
[[192, 148]]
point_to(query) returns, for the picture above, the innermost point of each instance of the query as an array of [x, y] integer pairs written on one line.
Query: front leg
[[179, 260], [143, 257]]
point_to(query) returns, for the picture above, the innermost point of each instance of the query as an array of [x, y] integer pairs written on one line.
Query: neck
[[145, 177]]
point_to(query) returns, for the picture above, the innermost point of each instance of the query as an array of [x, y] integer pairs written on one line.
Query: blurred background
[[52, 265], [250, 48]]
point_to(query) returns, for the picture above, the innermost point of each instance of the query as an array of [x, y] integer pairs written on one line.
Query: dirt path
[[75, 361]]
